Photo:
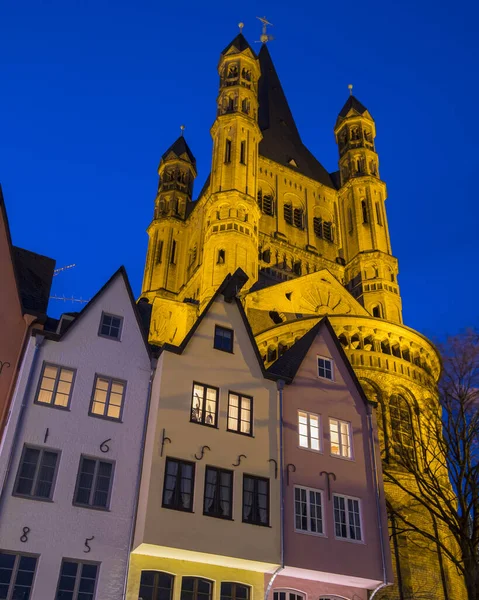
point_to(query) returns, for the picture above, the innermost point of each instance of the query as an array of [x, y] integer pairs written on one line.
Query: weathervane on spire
[[182, 127], [241, 25], [264, 36], [350, 88]]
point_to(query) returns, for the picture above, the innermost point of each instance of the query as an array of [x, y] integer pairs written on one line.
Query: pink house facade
[[335, 524]]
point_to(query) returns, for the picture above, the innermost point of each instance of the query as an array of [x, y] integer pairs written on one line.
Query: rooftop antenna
[[182, 127], [58, 271], [350, 88], [264, 38], [72, 299]]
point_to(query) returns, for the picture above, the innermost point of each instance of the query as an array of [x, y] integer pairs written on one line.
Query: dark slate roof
[[281, 140], [34, 279], [180, 147], [352, 103], [240, 43], [336, 179]]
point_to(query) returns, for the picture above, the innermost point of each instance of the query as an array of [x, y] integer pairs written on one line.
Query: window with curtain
[[156, 585], [16, 575], [218, 499], [196, 588], [36, 473], [178, 484], [204, 404], [240, 413], [94, 483], [347, 520], [287, 595], [255, 500], [234, 591], [308, 511]]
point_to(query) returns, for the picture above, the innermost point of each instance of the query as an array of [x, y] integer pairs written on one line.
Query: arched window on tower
[[266, 202], [377, 312], [298, 218], [288, 214], [401, 426], [228, 151], [221, 257], [364, 210]]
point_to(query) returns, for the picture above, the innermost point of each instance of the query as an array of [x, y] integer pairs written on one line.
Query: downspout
[[21, 415], [280, 386], [154, 363], [378, 505]]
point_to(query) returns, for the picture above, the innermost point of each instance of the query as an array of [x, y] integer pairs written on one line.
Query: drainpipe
[[154, 363], [18, 427], [280, 386], [378, 505]]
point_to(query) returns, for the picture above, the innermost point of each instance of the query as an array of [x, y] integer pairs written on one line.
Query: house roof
[[281, 140], [288, 364]]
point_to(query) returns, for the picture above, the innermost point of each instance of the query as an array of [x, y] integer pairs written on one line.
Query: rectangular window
[[110, 326], [56, 385], [159, 251], [240, 413], [173, 253], [255, 500], [350, 220], [196, 588], [234, 591], [94, 483], [204, 405], [108, 397], [325, 368], [378, 214], [243, 153], [318, 227], [228, 151], [178, 485], [288, 214], [298, 218], [340, 437], [36, 473], [218, 499], [77, 580], [308, 429], [288, 595], [308, 511], [223, 339], [155, 585], [347, 520], [16, 575]]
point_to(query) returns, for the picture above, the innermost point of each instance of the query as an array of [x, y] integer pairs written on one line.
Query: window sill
[[58, 407], [108, 337], [257, 524], [240, 433], [218, 517], [100, 508], [204, 424], [320, 451], [104, 417], [183, 510], [325, 378], [340, 539], [313, 533], [349, 459], [37, 498]]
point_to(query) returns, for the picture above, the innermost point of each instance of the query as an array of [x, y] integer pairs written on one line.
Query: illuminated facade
[[312, 243]]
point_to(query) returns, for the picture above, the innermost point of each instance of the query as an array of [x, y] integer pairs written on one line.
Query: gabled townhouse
[[335, 525], [25, 282], [208, 522], [71, 459]]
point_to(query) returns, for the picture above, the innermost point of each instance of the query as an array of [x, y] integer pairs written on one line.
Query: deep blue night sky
[[93, 92]]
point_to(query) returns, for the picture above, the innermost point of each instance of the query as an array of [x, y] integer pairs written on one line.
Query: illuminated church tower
[[311, 242]]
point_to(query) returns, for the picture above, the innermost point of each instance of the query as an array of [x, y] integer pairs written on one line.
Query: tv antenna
[[61, 269]]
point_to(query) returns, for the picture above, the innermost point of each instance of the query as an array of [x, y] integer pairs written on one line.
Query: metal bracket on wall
[[87, 545], [164, 439], [4, 364], [328, 475], [288, 470], [45, 437], [203, 448], [239, 460], [273, 460]]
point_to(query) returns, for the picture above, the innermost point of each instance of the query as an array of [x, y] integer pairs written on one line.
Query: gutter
[[378, 505], [18, 427], [280, 386], [154, 363]]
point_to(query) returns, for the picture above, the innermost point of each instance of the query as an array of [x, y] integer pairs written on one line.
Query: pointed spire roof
[[178, 148], [281, 140], [352, 103], [240, 43]]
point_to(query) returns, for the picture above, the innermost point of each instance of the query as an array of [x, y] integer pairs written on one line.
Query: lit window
[[286, 595], [204, 404], [223, 339], [110, 326], [77, 580], [178, 484], [55, 387], [308, 429], [308, 511], [155, 585], [255, 500], [218, 499], [234, 591], [16, 575], [340, 437], [94, 483], [240, 414], [196, 588], [347, 520], [36, 473], [325, 368], [108, 396]]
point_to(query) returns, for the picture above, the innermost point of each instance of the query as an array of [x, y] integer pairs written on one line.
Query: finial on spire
[[182, 127], [350, 88], [241, 25], [264, 36]]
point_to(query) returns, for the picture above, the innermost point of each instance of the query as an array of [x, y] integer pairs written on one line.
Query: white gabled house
[[71, 455]]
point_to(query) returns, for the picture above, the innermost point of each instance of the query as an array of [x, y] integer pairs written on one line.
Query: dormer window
[[110, 326], [223, 339], [325, 368]]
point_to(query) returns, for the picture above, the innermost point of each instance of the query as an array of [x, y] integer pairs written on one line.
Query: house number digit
[[24, 537], [104, 447]]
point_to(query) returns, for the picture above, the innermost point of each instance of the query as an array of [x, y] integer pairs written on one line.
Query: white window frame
[[308, 426], [289, 591], [331, 363], [308, 511], [348, 538], [340, 444]]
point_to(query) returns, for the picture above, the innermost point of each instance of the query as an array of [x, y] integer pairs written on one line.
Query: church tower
[[371, 272], [177, 172], [231, 211]]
